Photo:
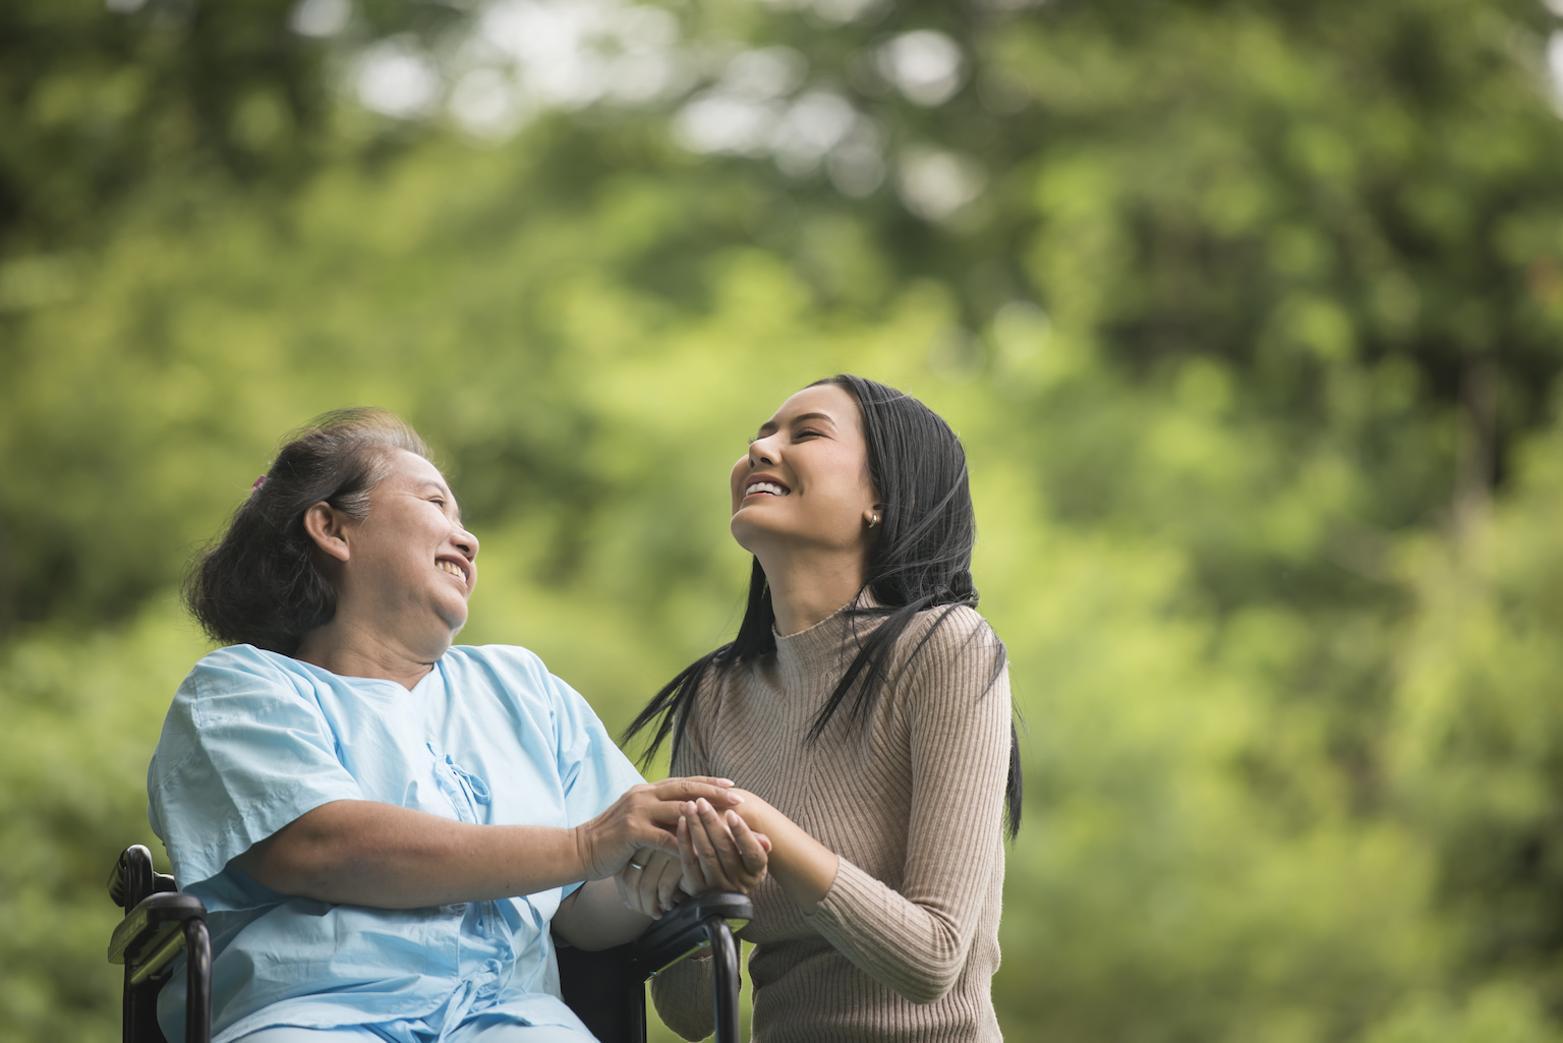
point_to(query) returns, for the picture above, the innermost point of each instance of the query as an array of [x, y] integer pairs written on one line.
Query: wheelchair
[[606, 989]]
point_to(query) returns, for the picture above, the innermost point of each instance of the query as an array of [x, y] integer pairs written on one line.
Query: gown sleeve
[[593, 770], [243, 753]]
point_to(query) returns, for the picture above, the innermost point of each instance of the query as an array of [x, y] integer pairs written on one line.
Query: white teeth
[[766, 487]]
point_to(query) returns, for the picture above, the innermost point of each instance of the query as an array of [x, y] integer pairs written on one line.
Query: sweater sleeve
[[682, 992], [916, 940]]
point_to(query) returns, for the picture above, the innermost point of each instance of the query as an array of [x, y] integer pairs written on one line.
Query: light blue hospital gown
[[255, 739]]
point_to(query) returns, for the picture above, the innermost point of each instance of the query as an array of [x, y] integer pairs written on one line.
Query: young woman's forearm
[[914, 937], [801, 865], [364, 853]]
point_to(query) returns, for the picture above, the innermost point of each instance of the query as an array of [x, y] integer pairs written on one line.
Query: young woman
[[864, 707], [383, 826]]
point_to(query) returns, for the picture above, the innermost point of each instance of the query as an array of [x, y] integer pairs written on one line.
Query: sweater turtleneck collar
[[825, 649]]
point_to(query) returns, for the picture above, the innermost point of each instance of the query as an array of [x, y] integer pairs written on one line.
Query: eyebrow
[[771, 425]]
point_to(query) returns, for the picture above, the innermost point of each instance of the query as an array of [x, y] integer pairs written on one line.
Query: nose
[[761, 451], [466, 543]]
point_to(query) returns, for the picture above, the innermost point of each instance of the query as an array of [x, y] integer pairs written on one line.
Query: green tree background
[[1249, 316]]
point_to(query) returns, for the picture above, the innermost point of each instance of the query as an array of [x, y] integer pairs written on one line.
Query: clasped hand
[[646, 817], [715, 852]]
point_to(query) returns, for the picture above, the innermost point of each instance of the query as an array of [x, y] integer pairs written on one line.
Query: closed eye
[[801, 435]]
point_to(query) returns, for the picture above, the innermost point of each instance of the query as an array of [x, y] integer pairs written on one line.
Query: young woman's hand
[[718, 851], [802, 866], [644, 816]]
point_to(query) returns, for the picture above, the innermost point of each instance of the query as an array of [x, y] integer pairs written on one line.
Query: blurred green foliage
[[1249, 317]]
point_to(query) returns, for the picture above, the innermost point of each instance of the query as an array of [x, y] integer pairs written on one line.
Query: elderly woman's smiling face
[[409, 564]]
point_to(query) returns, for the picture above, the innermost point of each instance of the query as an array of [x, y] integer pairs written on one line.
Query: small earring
[[873, 520]]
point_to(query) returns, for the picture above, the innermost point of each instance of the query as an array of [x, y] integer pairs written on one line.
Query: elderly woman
[[383, 826]]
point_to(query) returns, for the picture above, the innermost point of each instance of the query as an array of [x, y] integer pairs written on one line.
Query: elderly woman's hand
[[644, 816], [649, 881], [718, 851]]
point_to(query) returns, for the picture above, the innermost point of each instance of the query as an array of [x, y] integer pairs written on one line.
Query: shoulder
[[948, 631], [242, 672], [511, 661], [236, 685], [722, 672], [726, 680], [950, 648], [514, 672], [235, 661]]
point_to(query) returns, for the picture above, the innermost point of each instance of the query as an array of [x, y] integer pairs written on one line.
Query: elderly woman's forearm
[[595, 917], [365, 853]]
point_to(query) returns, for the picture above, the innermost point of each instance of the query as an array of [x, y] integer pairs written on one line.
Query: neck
[[808, 586], [347, 647]]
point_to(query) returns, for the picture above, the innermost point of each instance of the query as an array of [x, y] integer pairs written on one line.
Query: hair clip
[[258, 483]]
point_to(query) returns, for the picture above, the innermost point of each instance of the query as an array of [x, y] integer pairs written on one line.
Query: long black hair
[[920, 560], [261, 583]]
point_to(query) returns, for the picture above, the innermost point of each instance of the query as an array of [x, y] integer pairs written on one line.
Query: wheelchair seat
[[606, 989]]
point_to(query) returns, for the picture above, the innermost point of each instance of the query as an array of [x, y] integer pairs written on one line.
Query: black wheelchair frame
[[606, 989]]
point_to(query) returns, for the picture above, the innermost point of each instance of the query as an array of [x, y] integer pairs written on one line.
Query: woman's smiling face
[[411, 558], [804, 480]]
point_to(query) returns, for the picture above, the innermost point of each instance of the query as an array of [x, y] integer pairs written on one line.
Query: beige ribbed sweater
[[905, 944]]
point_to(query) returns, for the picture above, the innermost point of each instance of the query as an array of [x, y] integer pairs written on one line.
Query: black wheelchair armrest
[[684, 931], [705, 922], [607, 987], [153, 933]]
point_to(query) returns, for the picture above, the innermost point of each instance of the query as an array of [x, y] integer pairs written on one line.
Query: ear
[[327, 526]]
